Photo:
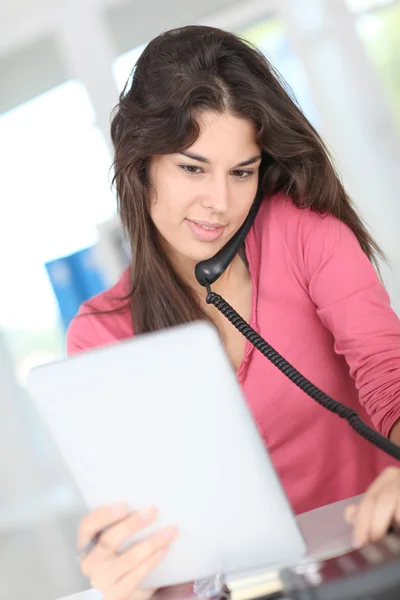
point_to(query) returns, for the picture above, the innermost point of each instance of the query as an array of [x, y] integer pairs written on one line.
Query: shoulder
[[103, 319], [305, 233], [308, 240], [301, 221]]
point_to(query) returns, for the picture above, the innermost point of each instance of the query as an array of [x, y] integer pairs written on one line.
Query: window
[[124, 65], [363, 5], [380, 32], [54, 193], [270, 37]]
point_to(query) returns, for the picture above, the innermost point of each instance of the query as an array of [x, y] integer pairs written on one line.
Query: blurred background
[[62, 66]]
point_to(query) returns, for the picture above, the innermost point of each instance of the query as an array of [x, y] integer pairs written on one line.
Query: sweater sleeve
[[81, 333], [354, 305]]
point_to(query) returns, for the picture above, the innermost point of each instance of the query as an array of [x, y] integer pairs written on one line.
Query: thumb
[[350, 513]]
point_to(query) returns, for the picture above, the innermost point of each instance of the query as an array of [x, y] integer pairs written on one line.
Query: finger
[[128, 584], [113, 571], [98, 520], [363, 520], [396, 518], [388, 475], [98, 559], [114, 537], [140, 553], [374, 516], [366, 507], [383, 514], [350, 513]]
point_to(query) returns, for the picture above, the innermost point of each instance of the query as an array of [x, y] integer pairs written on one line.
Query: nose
[[218, 194]]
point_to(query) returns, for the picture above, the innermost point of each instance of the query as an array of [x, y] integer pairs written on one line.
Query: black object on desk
[[369, 573]]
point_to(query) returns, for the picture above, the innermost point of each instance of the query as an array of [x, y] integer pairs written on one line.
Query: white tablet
[[160, 420]]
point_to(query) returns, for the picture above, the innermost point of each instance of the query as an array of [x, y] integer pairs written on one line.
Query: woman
[[204, 124]]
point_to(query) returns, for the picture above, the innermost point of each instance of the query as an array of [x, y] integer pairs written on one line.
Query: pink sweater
[[318, 301]]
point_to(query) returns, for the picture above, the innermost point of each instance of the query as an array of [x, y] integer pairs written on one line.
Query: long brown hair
[[195, 68]]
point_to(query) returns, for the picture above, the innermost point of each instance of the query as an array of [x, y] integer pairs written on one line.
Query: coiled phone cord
[[298, 379]]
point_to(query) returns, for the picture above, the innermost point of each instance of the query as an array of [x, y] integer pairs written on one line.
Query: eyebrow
[[202, 159]]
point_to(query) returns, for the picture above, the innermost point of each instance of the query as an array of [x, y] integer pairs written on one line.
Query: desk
[[88, 595], [324, 529]]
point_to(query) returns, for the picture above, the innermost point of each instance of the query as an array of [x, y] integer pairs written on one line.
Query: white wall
[[356, 120], [38, 511]]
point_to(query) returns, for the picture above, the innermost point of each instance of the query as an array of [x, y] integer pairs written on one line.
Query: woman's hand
[[378, 510], [115, 574]]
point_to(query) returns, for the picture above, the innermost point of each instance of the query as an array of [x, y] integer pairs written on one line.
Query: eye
[[191, 169], [242, 174]]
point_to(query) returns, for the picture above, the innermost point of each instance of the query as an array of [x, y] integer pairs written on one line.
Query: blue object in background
[[75, 279]]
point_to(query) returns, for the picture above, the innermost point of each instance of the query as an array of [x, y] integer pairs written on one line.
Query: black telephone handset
[[208, 271], [211, 269]]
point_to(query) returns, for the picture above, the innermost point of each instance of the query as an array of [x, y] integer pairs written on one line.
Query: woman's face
[[202, 196]]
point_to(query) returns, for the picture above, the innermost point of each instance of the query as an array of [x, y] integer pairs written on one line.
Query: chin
[[197, 257]]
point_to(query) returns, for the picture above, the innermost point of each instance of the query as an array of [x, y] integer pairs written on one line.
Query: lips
[[206, 227], [205, 231]]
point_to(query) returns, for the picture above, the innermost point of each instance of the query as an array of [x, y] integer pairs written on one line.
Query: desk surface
[[325, 531], [88, 595]]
